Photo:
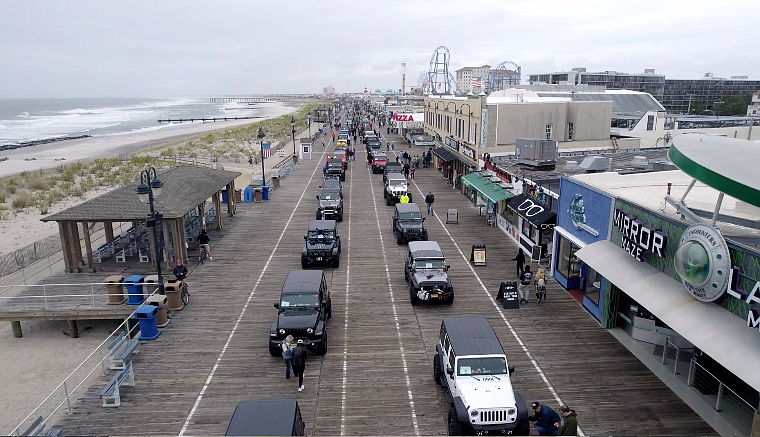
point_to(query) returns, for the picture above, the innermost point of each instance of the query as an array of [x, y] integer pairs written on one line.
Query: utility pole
[[403, 78]]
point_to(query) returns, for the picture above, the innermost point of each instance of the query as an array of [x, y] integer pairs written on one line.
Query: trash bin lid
[[115, 278], [266, 187], [146, 310], [276, 175], [134, 278]]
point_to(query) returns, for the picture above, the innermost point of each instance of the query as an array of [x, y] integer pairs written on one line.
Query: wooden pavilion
[[186, 190]]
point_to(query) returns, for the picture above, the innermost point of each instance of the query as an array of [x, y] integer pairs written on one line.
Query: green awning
[[486, 188]]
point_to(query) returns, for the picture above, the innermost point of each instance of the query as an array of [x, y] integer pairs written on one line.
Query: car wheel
[[340, 216], [319, 215], [406, 275], [522, 428], [413, 296], [339, 246], [336, 262], [437, 374], [329, 307], [450, 299], [388, 201], [304, 262], [322, 348], [455, 426], [399, 238], [274, 350], [343, 178], [410, 198], [425, 236]]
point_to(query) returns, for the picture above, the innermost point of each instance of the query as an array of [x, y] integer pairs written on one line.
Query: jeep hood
[[488, 393], [323, 245], [411, 225], [329, 203], [297, 319]]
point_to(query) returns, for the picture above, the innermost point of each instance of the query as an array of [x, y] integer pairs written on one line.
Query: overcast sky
[[189, 48]]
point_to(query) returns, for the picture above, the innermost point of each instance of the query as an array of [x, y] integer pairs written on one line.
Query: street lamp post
[[261, 136], [150, 187], [293, 131]]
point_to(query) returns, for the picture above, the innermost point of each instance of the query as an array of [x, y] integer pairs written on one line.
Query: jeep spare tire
[[437, 374], [455, 427], [322, 347]]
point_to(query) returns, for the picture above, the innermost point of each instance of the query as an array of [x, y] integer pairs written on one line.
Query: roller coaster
[[438, 80]]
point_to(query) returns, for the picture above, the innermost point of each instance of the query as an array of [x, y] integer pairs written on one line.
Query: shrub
[[38, 182], [23, 200]]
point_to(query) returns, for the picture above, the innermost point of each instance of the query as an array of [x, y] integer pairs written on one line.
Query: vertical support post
[[152, 245], [230, 199], [202, 214], [717, 208], [77, 246], [183, 234], [720, 396], [73, 331], [62, 231], [66, 390], [690, 378], [664, 351], [75, 265], [234, 201], [88, 247], [691, 185], [167, 244], [16, 328], [678, 354], [108, 228]]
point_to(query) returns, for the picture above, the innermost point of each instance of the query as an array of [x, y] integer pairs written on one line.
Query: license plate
[[319, 258], [434, 296]]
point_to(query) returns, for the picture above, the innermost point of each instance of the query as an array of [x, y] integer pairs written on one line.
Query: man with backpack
[[525, 280]]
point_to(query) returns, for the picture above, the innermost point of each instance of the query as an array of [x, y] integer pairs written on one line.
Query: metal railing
[[63, 393], [673, 355], [53, 298], [722, 398]]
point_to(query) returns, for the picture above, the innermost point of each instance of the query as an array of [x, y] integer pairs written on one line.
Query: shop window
[[568, 264], [570, 131], [549, 131], [593, 285], [527, 229]]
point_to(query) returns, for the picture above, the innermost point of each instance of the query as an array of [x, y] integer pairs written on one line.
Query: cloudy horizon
[[190, 48]]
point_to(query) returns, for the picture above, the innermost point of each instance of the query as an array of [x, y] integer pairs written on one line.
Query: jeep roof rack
[[471, 334], [425, 249], [307, 281], [407, 207], [316, 225]]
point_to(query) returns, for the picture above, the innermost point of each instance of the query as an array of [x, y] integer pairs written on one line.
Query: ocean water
[[23, 120]]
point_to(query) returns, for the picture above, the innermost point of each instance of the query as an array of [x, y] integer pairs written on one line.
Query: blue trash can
[[147, 317], [134, 285], [224, 195], [248, 194], [265, 193]]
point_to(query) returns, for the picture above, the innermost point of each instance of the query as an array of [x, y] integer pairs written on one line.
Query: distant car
[[330, 204], [394, 186], [378, 162], [333, 184], [408, 223], [303, 310], [322, 244], [426, 271], [267, 417], [392, 167], [335, 167]]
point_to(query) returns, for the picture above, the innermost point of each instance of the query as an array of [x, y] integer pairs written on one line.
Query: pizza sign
[[403, 117]]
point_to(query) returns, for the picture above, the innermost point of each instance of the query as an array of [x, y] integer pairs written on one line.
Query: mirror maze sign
[[638, 239]]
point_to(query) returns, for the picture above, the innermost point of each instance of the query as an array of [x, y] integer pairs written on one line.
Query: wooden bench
[[121, 351], [121, 257], [144, 252], [54, 432], [32, 430], [110, 393]]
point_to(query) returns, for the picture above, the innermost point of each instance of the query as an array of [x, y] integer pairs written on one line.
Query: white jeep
[[470, 363]]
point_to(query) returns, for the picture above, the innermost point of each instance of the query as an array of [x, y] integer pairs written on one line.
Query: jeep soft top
[[335, 162], [408, 208], [302, 281], [320, 225], [471, 334], [380, 157], [425, 249], [394, 176], [267, 417]]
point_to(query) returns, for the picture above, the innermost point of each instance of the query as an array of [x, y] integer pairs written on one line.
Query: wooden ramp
[[376, 378]]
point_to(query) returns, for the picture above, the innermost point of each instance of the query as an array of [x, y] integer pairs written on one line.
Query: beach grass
[[44, 189]]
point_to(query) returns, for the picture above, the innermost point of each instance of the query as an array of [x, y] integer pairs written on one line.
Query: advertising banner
[[584, 212]]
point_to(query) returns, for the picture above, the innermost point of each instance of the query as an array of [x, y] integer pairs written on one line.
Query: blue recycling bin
[[265, 193], [134, 285], [148, 320], [224, 195], [248, 194]]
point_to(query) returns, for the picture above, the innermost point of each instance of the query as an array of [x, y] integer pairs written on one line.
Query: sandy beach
[[34, 365]]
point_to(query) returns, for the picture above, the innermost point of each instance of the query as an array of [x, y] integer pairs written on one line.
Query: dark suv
[[332, 184], [303, 310], [330, 204], [392, 167], [322, 244], [408, 223], [335, 168], [378, 162], [426, 271]]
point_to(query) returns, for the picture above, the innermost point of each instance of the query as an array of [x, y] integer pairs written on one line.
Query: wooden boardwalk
[[376, 377]]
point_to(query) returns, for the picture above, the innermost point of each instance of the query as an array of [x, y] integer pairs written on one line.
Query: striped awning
[[491, 191]]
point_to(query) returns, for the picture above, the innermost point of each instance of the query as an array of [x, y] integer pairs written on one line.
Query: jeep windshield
[[321, 235], [482, 366], [410, 216], [397, 183], [380, 157], [300, 301], [329, 196], [429, 263]]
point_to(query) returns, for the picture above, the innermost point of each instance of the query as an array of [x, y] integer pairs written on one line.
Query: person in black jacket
[[429, 199], [298, 362], [520, 258], [545, 419]]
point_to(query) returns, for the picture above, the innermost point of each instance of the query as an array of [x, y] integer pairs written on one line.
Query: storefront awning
[[713, 329], [532, 210], [444, 154], [486, 188]]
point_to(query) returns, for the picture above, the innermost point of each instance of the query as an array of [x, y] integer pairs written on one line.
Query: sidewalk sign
[[508, 295], [452, 216], [478, 255]]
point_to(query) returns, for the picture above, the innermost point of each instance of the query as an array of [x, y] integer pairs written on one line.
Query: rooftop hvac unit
[[593, 163], [536, 152], [640, 162], [663, 166], [571, 165]]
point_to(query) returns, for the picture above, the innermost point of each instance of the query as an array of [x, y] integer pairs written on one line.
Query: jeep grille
[[497, 416], [320, 252], [296, 333]]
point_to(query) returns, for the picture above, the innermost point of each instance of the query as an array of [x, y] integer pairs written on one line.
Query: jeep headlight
[[310, 331], [282, 332], [511, 411], [474, 413]]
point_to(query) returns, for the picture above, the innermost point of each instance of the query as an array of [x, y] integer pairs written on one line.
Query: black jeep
[[426, 271], [332, 184], [330, 204], [392, 167], [408, 223], [335, 168], [303, 310], [322, 244]]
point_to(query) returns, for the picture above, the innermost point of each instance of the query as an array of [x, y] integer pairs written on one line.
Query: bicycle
[[203, 253], [184, 293], [540, 285]]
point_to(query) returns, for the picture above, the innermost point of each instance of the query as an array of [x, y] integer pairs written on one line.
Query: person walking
[[406, 171], [545, 419], [250, 161], [404, 198], [569, 423], [353, 154], [520, 258], [411, 171], [429, 200], [287, 354], [300, 354], [323, 144], [525, 282]]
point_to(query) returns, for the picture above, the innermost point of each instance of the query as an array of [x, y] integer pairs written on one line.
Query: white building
[[754, 108], [465, 74]]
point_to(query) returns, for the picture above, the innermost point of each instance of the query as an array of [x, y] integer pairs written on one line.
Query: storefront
[[488, 193], [402, 123], [684, 287], [531, 223], [584, 217]]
